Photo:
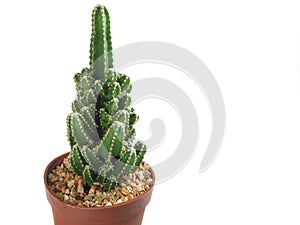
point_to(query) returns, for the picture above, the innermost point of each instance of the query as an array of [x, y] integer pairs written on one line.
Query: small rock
[[129, 188], [149, 181], [146, 166], [137, 181], [139, 188], [131, 197], [141, 176], [124, 191], [54, 179], [50, 176], [108, 204], [80, 189], [98, 193], [134, 192], [62, 174], [70, 183], [92, 189], [130, 176]]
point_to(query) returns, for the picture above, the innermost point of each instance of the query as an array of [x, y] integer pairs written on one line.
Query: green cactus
[[100, 127]]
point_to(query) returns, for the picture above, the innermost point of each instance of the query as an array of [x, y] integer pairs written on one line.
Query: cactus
[[101, 126]]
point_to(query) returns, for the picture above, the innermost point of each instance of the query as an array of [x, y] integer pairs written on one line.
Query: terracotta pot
[[127, 213]]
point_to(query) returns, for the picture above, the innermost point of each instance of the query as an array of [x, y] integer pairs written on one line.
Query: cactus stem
[[100, 129]]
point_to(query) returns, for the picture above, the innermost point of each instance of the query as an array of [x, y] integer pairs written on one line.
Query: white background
[[251, 47]]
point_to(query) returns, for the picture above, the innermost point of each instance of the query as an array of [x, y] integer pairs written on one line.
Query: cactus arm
[[86, 82], [123, 117], [78, 76], [112, 105], [100, 151], [112, 90], [89, 117], [124, 102], [140, 149], [80, 130], [88, 99], [70, 136], [119, 138], [107, 181], [108, 140], [133, 117], [112, 142], [104, 120], [124, 81], [76, 105], [98, 87], [108, 39], [110, 183], [101, 46], [130, 164], [101, 175], [77, 161], [89, 175], [125, 163], [91, 158]]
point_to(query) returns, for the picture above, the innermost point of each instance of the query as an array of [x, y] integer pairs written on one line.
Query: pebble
[[131, 197], [98, 193], [124, 191], [149, 181], [137, 181], [146, 167], [129, 188], [141, 176], [108, 204]]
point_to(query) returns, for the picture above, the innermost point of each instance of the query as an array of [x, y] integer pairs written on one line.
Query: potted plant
[[103, 180]]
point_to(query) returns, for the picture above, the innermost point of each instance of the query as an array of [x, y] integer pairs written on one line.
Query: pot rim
[[47, 170]]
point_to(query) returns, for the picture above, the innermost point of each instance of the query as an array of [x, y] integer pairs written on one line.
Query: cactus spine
[[100, 127]]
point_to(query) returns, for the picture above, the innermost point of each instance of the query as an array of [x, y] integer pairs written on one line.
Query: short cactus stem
[[101, 126]]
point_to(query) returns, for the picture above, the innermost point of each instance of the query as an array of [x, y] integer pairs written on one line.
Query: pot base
[[61, 219], [127, 213]]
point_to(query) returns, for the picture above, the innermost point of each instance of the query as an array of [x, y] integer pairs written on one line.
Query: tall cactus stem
[[101, 45]]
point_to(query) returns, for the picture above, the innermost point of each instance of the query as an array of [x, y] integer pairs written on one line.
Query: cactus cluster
[[101, 126]]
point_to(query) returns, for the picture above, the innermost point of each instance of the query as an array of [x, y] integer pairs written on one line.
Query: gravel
[[70, 188]]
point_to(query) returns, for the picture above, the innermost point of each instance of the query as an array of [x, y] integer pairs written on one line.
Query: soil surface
[[70, 188]]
